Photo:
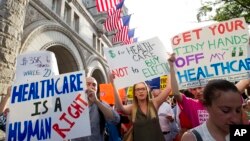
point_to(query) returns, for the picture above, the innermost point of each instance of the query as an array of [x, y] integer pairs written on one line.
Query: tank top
[[147, 128], [205, 134]]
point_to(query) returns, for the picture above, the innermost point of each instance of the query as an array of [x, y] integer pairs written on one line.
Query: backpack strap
[[197, 135]]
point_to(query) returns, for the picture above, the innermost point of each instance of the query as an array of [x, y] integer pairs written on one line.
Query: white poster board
[[137, 62], [53, 109], [218, 51], [35, 65]]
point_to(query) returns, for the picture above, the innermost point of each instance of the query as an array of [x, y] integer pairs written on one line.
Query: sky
[[163, 18]]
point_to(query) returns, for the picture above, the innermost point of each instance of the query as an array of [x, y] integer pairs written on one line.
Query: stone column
[[12, 16]]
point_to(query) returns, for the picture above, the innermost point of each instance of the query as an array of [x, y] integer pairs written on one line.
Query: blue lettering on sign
[[40, 130], [47, 88], [216, 69]]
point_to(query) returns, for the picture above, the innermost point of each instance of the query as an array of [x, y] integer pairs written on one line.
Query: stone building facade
[[72, 29]]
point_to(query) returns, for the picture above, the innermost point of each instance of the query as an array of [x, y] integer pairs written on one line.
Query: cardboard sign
[[107, 93], [53, 108], [137, 62], [35, 65], [218, 51]]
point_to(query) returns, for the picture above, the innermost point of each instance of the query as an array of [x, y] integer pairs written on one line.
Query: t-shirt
[[194, 110], [164, 110]]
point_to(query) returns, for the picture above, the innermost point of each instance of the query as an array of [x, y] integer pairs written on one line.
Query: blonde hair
[[151, 108]]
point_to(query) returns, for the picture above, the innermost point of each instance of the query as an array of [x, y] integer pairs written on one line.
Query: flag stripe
[[121, 35], [113, 22], [105, 5]]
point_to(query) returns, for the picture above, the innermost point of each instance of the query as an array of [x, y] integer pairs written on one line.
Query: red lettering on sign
[[74, 112]]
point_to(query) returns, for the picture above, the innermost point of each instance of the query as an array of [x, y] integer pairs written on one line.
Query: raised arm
[[242, 85], [107, 110], [174, 84], [126, 109], [109, 113], [163, 95]]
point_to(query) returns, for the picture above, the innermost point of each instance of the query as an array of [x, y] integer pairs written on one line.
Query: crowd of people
[[205, 115]]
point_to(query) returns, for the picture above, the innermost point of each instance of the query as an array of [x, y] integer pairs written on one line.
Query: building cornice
[[53, 16]]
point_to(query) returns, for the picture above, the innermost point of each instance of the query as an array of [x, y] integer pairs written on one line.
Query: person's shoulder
[[188, 136]]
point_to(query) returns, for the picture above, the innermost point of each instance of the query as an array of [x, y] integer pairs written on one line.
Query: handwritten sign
[[137, 62], [53, 108], [218, 51], [35, 65]]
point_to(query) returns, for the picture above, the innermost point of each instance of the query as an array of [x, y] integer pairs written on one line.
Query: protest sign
[[130, 93], [107, 93], [53, 108], [218, 51], [164, 80], [35, 65], [137, 62]]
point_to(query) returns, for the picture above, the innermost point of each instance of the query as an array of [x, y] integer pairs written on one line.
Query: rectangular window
[[67, 14], [102, 48], [94, 41], [98, 45], [56, 6], [76, 22]]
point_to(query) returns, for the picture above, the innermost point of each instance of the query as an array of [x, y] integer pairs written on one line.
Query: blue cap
[[155, 83]]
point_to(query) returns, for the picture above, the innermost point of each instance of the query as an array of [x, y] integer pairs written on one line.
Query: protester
[[166, 115], [223, 102], [99, 113], [146, 124], [3, 110], [192, 108]]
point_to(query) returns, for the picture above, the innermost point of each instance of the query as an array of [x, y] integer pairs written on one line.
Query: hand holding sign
[[217, 51], [137, 62], [91, 95]]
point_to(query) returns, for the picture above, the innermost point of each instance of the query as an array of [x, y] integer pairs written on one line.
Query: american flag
[[135, 40], [105, 5], [117, 7], [121, 35], [130, 41], [131, 33], [127, 42], [113, 22]]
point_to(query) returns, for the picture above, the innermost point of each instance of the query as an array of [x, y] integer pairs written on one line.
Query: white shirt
[[164, 110], [205, 134]]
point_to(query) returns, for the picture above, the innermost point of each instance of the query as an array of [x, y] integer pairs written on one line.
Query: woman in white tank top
[[223, 102]]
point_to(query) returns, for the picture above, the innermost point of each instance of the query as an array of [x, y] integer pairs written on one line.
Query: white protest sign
[[218, 51], [35, 65], [53, 109], [137, 62]]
